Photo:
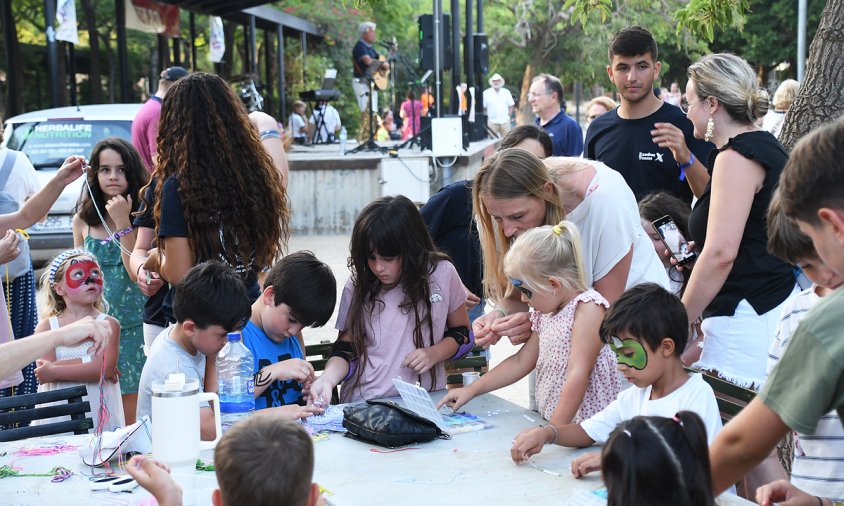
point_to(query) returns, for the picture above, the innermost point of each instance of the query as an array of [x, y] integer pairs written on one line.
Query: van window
[[48, 143]]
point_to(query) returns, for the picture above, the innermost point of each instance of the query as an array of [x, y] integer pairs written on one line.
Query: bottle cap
[[233, 336]]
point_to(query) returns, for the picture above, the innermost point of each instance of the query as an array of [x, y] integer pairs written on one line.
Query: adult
[[617, 252], [450, 220], [297, 124], [598, 106], [204, 209], [548, 103], [427, 98], [325, 122], [363, 56], [783, 97], [21, 183], [736, 286], [674, 96], [145, 124], [632, 139], [409, 112], [498, 106]]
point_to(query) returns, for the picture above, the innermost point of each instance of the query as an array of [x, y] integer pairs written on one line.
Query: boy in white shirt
[[647, 328]]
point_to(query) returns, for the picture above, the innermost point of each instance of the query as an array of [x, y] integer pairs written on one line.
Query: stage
[[328, 189]]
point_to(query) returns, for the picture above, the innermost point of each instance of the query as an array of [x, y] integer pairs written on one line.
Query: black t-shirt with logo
[[627, 146]]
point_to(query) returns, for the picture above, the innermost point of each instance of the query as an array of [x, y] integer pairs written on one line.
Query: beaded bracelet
[[118, 235], [270, 134]]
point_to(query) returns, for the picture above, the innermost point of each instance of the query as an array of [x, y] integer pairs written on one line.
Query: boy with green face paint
[[647, 328]]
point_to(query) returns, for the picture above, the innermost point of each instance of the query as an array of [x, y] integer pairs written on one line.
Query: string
[[45, 451], [376, 450], [103, 221], [58, 473]]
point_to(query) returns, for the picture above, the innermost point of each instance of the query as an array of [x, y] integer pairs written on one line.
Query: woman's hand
[[688, 265], [119, 209], [482, 328], [529, 442], [153, 262], [456, 398], [515, 326], [149, 282], [666, 135], [9, 249], [70, 170], [421, 360], [782, 492], [585, 464]]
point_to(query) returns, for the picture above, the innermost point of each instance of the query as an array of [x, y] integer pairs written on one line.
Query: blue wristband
[[684, 166]]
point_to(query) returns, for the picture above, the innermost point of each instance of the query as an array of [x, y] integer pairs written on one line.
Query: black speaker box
[[425, 125], [426, 42], [481, 54], [477, 130]]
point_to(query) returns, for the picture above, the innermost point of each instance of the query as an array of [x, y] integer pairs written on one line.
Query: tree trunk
[[14, 89], [821, 96], [524, 116], [95, 73]]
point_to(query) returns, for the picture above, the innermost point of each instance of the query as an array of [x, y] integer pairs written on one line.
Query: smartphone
[[674, 240]]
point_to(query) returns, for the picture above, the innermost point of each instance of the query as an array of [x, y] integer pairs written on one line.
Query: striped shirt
[[818, 466]]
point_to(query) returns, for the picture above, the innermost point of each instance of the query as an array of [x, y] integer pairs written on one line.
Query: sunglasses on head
[[518, 284]]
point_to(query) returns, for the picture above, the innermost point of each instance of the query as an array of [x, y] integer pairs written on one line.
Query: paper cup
[[470, 377]]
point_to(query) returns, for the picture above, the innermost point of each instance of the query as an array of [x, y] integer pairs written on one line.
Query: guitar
[[378, 75]]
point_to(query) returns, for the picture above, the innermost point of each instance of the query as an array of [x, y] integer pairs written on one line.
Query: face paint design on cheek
[[83, 272], [639, 358]]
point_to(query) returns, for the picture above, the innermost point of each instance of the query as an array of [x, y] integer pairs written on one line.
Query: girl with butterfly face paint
[[73, 290]]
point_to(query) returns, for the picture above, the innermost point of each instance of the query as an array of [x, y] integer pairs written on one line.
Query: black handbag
[[387, 424]]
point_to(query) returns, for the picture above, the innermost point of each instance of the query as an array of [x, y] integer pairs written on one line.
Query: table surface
[[471, 468]]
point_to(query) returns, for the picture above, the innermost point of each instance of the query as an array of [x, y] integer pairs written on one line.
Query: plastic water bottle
[[343, 136], [236, 383]]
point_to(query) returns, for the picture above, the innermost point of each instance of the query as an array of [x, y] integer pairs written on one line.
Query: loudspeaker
[[481, 54], [426, 42], [477, 130], [425, 125]]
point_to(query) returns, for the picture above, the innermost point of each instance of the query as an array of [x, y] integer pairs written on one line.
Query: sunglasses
[[518, 284]]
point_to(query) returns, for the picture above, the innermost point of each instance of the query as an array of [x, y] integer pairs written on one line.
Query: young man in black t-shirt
[[647, 140]]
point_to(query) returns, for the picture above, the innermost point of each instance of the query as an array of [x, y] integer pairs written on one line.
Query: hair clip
[[616, 342], [557, 229], [59, 260], [516, 282], [677, 419], [627, 432]]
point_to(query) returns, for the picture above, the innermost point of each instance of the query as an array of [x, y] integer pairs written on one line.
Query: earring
[[710, 129]]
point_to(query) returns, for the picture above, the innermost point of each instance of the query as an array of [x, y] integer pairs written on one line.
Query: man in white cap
[[498, 106], [363, 54]]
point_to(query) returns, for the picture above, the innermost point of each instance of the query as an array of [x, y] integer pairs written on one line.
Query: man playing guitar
[[366, 63]]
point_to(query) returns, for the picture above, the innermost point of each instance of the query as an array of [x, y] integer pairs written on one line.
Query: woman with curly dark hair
[[115, 179], [219, 184]]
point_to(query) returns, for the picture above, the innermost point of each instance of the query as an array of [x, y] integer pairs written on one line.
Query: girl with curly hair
[[219, 184], [115, 178]]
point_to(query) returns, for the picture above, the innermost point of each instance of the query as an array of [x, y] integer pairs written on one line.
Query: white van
[[49, 136]]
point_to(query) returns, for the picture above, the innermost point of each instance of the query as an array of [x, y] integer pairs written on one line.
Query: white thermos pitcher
[[175, 421]]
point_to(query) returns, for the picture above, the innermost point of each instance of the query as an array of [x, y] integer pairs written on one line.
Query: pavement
[[334, 251]]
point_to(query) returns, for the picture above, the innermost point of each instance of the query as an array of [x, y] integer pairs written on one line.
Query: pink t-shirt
[[389, 336], [145, 130], [554, 347]]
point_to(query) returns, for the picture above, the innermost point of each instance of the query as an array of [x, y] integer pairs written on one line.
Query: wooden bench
[[474, 361], [731, 398]]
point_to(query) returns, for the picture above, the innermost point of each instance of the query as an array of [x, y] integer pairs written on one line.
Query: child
[[73, 290], [647, 328], [210, 302], [240, 460], [645, 454], [575, 372], [812, 193], [818, 466], [298, 125], [402, 313], [299, 291], [654, 206], [115, 176]]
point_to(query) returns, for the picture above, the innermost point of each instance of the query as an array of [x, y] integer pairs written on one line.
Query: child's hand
[[119, 207], [456, 398], [421, 360], [9, 249], [149, 282], [319, 392], [292, 411], [472, 300], [784, 493], [529, 442], [155, 477], [585, 464], [291, 369], [115, 377], [44, 371]]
